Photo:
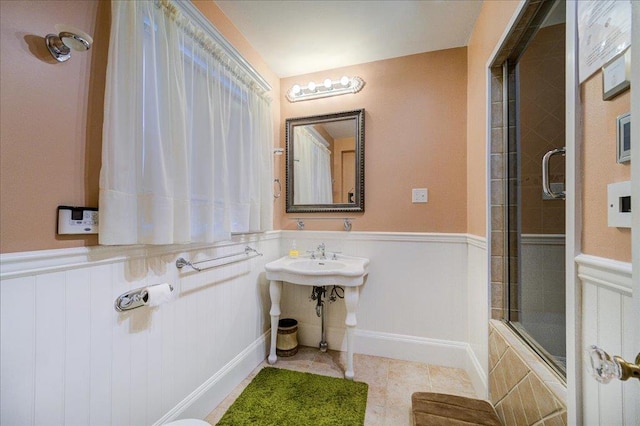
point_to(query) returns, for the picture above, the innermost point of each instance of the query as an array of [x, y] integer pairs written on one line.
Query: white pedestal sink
[[344, 271]]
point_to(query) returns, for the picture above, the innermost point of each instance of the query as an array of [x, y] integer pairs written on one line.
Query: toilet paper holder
[[134, 299]]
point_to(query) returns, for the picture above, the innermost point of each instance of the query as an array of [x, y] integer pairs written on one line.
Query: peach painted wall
[[415, 121], [600, 169], [490, 25], [51, 116], [50, 120]]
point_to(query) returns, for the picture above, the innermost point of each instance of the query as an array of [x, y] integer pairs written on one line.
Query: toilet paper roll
[[158, 294]]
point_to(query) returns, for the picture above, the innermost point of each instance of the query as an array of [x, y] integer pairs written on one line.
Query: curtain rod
[[193, 13]]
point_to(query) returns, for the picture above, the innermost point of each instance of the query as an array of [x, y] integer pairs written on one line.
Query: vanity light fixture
[[68, 38], [325, 89]]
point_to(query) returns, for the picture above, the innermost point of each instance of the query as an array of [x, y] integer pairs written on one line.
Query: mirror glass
[[325, 163]]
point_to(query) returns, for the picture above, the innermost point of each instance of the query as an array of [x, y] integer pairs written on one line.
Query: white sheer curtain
[[187, 141], [312, 183]]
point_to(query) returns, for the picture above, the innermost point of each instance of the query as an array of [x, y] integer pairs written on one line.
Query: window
[[187, 138]]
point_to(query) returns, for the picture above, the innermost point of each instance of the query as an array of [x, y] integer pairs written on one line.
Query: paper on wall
[[604, 30]]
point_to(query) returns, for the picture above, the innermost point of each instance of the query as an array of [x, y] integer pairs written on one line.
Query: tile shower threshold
[[538, 366], [560, 370]]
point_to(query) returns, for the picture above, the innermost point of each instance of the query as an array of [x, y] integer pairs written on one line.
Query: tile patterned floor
[[391, 382]]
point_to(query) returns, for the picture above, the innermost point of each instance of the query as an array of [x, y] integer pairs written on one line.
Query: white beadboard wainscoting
[[67, 357], [607, 321], [416, 304], [478, 302]]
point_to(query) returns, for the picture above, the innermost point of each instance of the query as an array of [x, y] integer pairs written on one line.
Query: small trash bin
[[287, 340]]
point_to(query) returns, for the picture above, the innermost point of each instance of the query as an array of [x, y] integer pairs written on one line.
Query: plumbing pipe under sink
[[316, 294]]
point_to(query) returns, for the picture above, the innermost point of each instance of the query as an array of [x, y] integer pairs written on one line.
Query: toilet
[[188, 422]]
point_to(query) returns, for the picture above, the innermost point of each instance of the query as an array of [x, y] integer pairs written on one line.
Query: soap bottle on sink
[[293, 251]]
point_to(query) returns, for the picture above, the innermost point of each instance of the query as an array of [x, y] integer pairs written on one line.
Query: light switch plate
[[419, 195]]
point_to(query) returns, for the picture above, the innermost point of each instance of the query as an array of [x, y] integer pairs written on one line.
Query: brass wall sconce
[[68, 38]]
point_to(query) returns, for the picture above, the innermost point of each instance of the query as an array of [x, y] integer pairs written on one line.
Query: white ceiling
[[300, 37]]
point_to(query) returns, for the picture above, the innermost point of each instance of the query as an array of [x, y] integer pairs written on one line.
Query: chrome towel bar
[[248, 254]]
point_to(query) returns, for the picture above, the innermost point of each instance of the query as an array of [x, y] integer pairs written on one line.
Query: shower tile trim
[[522, 391], [553, 382]]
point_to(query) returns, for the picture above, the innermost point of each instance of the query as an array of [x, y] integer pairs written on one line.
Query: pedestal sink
[[345, 271]]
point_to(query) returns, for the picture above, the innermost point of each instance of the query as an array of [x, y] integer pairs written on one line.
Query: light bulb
[[328, 83], [311, 86], [345, 81], [296, 89]]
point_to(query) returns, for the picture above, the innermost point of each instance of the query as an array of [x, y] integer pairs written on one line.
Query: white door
[[606, 295]]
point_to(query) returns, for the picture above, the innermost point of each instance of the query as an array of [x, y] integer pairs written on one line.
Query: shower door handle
[[545, 174]]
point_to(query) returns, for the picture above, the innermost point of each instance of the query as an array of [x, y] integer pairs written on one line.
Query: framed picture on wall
[[624, 138]]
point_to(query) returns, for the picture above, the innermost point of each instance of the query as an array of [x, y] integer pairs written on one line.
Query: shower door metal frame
[[513, 201], [521, 25], [497, 235]]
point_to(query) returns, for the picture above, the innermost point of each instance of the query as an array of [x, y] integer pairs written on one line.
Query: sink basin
[[316, 265], [344, 271]]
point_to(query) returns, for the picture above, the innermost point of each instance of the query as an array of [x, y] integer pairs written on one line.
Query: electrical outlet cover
[[419, 195]]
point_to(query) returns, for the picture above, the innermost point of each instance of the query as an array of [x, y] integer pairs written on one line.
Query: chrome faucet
[[321, 248]]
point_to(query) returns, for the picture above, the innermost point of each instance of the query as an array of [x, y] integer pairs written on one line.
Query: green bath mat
[[290, 398]]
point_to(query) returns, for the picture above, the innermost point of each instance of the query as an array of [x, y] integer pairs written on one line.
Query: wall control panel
[[619, 204], [77, 220]]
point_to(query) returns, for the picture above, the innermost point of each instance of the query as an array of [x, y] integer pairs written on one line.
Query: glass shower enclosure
[[536, 216]]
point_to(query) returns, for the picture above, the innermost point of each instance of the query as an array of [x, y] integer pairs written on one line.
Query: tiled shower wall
[[503, 160], [543, 298], [521, 386], [542, 128], [523, 391], [499, 180]]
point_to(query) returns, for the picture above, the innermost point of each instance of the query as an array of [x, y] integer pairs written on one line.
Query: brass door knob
[[604, 367]]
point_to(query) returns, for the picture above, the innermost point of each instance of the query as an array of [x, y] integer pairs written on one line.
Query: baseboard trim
[[477, 374], [431, 351], [199, 403], [408, 348]]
